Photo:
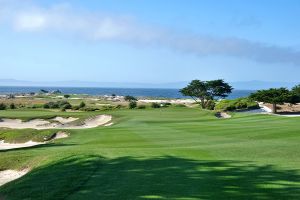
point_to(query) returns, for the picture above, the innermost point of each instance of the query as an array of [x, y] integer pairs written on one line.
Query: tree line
[[206, 92]]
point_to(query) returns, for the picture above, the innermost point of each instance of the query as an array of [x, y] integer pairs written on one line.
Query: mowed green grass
[[171, 153]]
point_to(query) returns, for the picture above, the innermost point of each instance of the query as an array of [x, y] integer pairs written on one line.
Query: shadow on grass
[[41, 146], [92, 177]]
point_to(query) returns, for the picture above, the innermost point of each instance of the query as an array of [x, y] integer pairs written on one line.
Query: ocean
[[137, 92]]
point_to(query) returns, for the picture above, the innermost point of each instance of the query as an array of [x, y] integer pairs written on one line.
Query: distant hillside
[[241, 85], [256, 85]]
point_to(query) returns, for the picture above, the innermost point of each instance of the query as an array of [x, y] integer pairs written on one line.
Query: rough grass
[[170, 153]]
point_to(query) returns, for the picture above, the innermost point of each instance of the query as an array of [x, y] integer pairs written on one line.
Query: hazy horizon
[[149, 42], [239, 85]]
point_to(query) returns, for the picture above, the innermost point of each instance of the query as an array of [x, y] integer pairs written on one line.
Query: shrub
[[89, 109], [118, 106], [141, 107], [58, 104], [240, 105], [236, 104], [155, 105], [12, 106], [108, 107], [210, 105], [82, 105], [164, 105], [66, 106], [132, 104], [51, 105], [46, 106], [2, 106], [130, 98], [75, 107], [67, 96]]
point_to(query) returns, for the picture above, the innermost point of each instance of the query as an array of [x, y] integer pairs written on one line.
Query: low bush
[[89, 109], [164, 105], [141, 107], [82, 105], [75, 108], [132, 104], [119, 106], [58, 104], [107, 108], [12, 106], [236, 104], [155, 105], [130, 98], [2, 106]]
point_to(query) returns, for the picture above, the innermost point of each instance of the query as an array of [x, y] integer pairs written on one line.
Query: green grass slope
[[171, 153]]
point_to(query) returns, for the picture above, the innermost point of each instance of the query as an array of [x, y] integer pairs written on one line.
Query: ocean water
[[137, 92]]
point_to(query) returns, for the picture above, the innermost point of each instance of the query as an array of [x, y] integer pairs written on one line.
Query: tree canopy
[[207, 90], [275, 96], [130, 98]]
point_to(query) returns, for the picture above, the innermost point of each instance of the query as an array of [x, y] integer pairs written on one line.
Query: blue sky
[[149, 41]]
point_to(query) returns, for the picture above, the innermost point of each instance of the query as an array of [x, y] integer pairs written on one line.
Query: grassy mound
[[236, 104]]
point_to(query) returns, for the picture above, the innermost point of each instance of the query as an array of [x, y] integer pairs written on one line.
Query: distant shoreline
[[100, 91]]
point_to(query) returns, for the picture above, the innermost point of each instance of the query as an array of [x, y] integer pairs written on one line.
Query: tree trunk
[[274, 108], [203, 103]]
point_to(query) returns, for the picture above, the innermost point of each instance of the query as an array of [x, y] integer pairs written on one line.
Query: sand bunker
[[61, 123], [6, 146], [222, 115], [19, 124], [10, 175], [60, 135], [64, 120]]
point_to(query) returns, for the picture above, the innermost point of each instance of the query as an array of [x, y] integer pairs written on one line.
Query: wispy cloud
[[64, 18]]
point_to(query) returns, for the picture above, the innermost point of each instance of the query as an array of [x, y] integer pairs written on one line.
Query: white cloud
[[96, 26]]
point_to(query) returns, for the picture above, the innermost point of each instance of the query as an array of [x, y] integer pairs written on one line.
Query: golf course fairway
[[166, 153]]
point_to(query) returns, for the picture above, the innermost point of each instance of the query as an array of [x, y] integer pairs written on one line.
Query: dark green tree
[[130, 98], [207, 90], [296, 90], [132, 104], [2, 106], [12, 106], [273, 96], [295, 95], [82, 105]]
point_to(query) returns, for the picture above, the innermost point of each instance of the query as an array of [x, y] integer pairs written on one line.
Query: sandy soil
[[65, 120], [18, 124], [60, 135], [6, 146], [10, 175], [283, 110], [222, 115], [62, 123], [174, 101]]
